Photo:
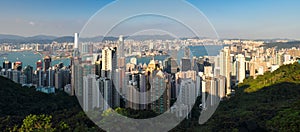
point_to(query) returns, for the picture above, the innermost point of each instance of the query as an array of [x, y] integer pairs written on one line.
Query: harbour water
[[30, 58]]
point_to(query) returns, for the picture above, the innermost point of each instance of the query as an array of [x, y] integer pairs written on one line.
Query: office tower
[[109, 62], [208, 71], [121, 47], [49, 78], [98, 66], [87, 68], [39, 65], [241, 68], [109, 67], [86, 48], [143, 89], [47, 63], [18, 66], [171, 65], [28, 72], [9, 74], [187, 92], [107, 93], [160, 94], [76, 70], [76, 41], [23, 79], [91, 92], [225, 67], [39, 78], [221, 86], [7, 65], [59, 80], [187, 53], [203, 92], [186, 64], [198, 85], [16, 76]]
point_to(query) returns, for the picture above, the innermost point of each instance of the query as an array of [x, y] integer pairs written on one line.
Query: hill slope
[[19, 102], [269, 103]]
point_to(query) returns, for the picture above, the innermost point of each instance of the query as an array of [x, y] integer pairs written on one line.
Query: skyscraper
[[225, 68], [7, 65], [91, 92], [76, 40], [18, 65], [241, 68], [39, 65], [109, 62], [160, 93], [47, 63], [28, 72], [186, 64]]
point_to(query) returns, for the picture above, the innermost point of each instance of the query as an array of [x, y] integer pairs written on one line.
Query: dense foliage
[[20, 105], [268, 103]]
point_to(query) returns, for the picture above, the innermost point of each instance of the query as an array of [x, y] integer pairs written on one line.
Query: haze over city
[[255, 19]]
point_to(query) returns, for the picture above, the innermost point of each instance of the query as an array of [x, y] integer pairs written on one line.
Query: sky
[[251, 19]]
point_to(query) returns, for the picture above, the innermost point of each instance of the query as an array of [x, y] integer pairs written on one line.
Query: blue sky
[[251, 19]]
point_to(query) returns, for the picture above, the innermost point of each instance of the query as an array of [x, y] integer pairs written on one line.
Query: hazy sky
[[251, 19]]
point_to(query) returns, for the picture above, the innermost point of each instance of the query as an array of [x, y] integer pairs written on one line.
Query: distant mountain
[[281, 45], [151, 37], [5, 36], [44, 39], [68, 39]]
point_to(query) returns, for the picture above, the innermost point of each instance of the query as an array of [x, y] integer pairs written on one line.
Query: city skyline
[[231, 19]]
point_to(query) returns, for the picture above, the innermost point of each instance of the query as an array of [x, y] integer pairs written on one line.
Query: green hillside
[[269, 103], [19, 103]]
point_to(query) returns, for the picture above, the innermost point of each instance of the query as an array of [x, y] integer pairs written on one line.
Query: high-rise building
[[86, 48], [39, 65], [160, 93], [109, 67], [47, 63], [59, 80], [225, 67], [39, 78], [187, 92], [18, 66], [50, 78], [91, 92], [16, 76], [28, 72], [7, 65], [241, 68], [76, 40], [121, 47], [186, 64], [107, 93], [23, 79]]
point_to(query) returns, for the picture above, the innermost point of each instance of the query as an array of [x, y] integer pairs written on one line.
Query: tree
[[39, 123]]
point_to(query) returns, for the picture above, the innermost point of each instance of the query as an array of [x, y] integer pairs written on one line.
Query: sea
[[30, 58]]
